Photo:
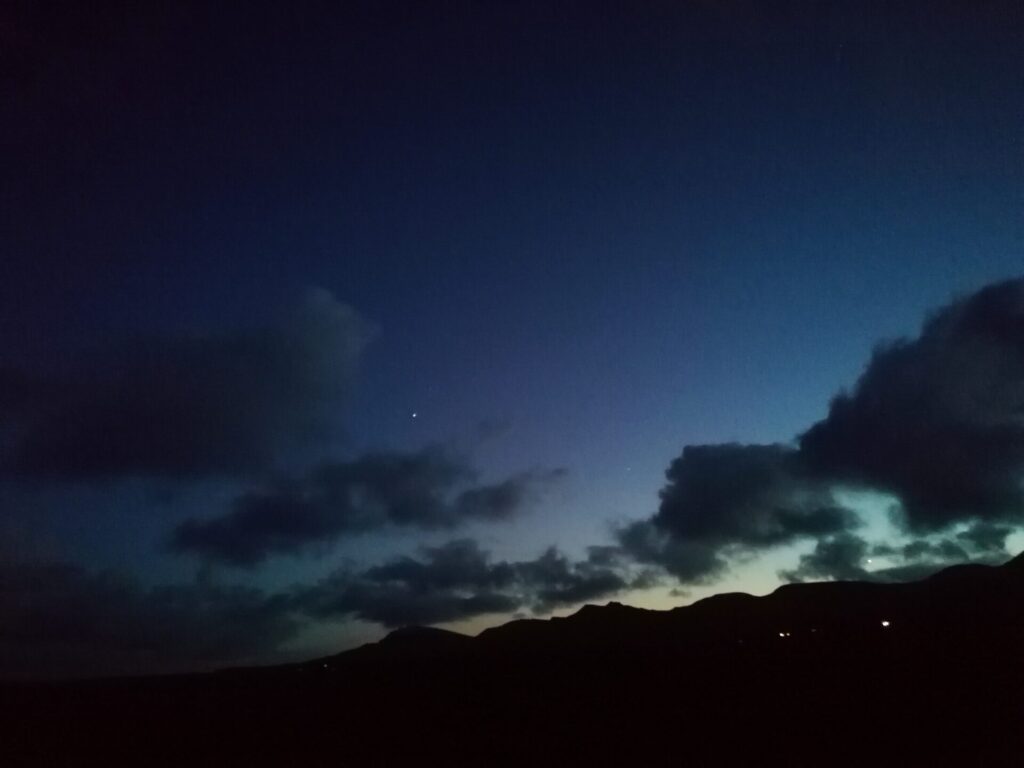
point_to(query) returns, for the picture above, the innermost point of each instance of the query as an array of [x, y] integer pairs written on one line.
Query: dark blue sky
[[586, 236]]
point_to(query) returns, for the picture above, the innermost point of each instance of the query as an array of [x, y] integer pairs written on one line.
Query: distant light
[[885, 623], [414, 414], [869, 559], [325, 666]]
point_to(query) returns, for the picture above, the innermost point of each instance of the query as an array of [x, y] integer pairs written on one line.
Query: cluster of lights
[[885, 624]]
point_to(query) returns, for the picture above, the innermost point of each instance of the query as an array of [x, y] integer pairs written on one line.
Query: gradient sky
[[586, 235]]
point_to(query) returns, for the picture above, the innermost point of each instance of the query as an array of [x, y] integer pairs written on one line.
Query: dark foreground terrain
[[815, 674]]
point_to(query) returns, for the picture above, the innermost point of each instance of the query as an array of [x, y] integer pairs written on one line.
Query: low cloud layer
[[184, 407], [936, 421], [724, 500], [458, 581], [62, 620], [840, 557], [847, 557], [428, 489]]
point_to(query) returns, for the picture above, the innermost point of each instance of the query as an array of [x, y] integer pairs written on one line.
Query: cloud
[[458, 580], [837, 557], [553, 581], [723, 500], [938, 420], [987, 538], [428, 489], [690, 562], [505, 499], [944, 550], [61, 620], [845, 556], [451, 582], [185, 407]]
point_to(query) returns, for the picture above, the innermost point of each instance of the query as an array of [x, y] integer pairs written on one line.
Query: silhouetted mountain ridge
[[833, 673], [836, 612]]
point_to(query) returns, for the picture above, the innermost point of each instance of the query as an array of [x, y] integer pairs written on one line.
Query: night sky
[[319, 321]]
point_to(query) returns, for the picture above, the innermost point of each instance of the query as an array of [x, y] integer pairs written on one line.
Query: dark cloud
[[428, 489], [979, 542], [730, 499], [555, 581], [839, 557], [459, 564], [985, 537], [844, 556], [505, 499], [691, 562], [454, 581], [457, 581], [184, 407], [607, 555], [938, 420], [62, 620], [750, 494], [944, 550]]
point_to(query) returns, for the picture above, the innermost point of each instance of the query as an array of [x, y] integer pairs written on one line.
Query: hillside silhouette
[[812, 674]]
